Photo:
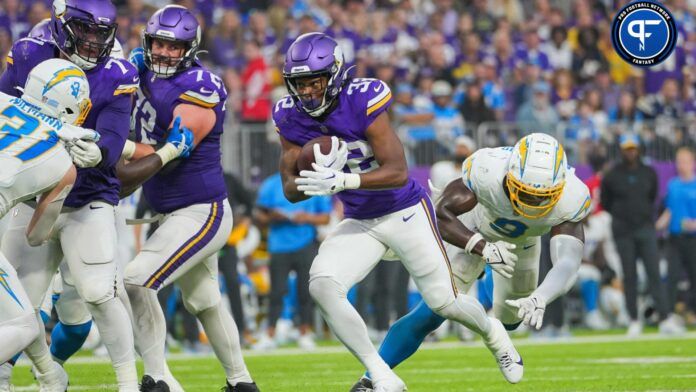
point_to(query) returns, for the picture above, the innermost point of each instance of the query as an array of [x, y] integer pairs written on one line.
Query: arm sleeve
[[566, 256], [113, 126]]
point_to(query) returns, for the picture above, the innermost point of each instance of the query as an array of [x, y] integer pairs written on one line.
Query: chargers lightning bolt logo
[[6, 286], [63, 74]]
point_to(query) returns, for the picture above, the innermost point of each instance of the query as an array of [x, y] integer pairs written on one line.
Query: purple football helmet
[[313, 55], [84, 30], [172, 23]]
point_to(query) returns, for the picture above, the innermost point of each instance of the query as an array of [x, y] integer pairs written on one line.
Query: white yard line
[[427, 346]]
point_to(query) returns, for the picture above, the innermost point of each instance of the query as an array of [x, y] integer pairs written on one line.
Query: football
[[306, 158]]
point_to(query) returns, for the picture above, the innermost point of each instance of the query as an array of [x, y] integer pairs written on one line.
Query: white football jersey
[[493, 217]]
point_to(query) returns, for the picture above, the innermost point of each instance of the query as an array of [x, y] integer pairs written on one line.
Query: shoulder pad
[[124, 74], [28, 52], [576, 203], [281, 110], [201, 87], [369, 97]]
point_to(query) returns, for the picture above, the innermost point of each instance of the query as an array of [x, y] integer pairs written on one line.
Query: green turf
[[614, 365]]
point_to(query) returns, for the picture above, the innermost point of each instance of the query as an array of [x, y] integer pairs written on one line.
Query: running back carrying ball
[[306, 158]]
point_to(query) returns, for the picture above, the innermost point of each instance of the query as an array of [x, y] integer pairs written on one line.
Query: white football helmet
[[59, 89], [536, 175]]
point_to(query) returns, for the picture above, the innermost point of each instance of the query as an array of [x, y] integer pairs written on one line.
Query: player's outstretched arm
[[389, 153], [288, 170], [567, 242]]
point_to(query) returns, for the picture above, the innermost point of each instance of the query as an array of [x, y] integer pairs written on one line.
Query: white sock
[[468, 311], [17, 334], [150, 329], [347, 325], [5, 374], [38, 352], [222, 334], [116, 333]]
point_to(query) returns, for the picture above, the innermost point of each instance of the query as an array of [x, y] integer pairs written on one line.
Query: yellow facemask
[[519, 191]]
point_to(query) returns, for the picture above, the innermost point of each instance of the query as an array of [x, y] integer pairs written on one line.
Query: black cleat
[[242, 387], [363, 385], [148, 384]]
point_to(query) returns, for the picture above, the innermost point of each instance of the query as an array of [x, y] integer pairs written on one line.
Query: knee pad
[[96, 293], [204, 297], [323, 287]]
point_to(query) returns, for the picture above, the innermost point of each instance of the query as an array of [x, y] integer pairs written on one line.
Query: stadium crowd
[[464, 74]]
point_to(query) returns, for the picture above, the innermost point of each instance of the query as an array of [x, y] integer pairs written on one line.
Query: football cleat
[[509, 360], [241, 387], [391, 384], [148, 384], [363, 385]]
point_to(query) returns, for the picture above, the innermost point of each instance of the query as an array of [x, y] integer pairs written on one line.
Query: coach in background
[[629, 191], [292, 244], [679, 218]]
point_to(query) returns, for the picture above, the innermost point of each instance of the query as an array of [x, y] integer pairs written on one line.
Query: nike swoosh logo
[[333, 175], [527, 246], [378, 88], [95, 208], [406, 218], [206, 91]]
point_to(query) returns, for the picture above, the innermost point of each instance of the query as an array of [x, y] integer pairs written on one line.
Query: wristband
[[469, 248], [352, 181], [128, 150], [167, 153]]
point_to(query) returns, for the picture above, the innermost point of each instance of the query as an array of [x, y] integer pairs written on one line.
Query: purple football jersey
[[198, 178], [112, 84], [673, 67], [359, 103]]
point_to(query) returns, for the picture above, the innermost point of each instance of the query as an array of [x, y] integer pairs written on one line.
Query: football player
[[384, 207], [55, 98], [85, 234], [506, 196], [191, 197]]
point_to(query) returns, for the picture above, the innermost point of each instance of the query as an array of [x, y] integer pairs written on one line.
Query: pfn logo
[[644, 33]]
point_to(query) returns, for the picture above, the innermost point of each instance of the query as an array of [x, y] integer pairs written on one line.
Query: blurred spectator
[[593, 99], [538, 115], [491, 88], [256, 103], [679, 218], [558, 49], [565, 95], [628, 193], [13, 18], [665, 104], [474, 109], [530, 52], [259, 31], [442, 172], [625, 117], [226, 40], [413, 123], [292, 245], [581, 134], [587, 58], [448, 122]]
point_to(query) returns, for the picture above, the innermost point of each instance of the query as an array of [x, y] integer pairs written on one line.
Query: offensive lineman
[[83, 32], [384, 208], [33, 162], [191, 195], [507, 195]]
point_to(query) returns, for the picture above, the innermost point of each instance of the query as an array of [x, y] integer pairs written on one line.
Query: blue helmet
[[312, 55]]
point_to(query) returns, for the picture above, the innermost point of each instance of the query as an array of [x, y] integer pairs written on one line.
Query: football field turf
[[597, 363]]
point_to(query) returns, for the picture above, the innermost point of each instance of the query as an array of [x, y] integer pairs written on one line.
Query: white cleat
[[391, 384], [672, 325], [5, 376], [265, 343], [306, 342], [56, 380], [635, 328], [509, 360]]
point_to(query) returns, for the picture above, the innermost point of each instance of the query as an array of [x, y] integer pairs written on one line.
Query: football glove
[[500, 257], [530, 309], [336, 158], [69, 133], [179, 143], [324, 181], [137, 58], [84, 154]]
